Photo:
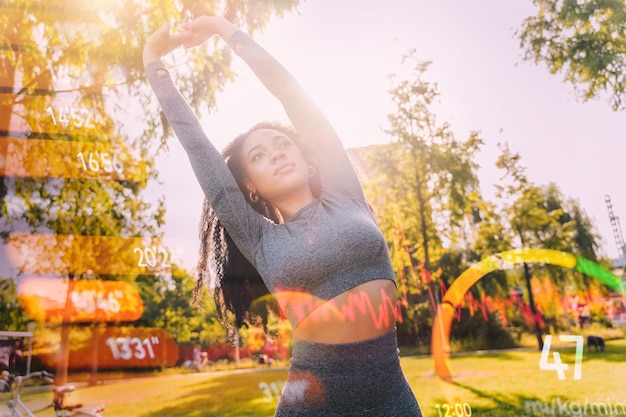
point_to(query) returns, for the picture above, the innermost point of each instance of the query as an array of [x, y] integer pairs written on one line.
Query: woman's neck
[[291, 204]]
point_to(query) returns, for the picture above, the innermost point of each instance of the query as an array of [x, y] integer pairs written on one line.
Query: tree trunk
[[423, 224], [63, 355], [533, 309], [5, 123]]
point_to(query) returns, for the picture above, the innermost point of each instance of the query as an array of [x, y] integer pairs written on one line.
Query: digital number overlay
[[453, 410], [100, 255], [557, 365], [79, 301], [38, 158], [116, 347]]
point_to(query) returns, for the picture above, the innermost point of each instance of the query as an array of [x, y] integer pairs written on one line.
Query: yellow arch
[[440, 339]]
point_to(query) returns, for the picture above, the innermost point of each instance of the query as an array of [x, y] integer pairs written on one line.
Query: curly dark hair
[[235, 283]]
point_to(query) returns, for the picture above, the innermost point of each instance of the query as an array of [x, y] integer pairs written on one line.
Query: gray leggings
[[353, 379]]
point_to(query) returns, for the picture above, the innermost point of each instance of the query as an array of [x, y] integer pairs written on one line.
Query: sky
[[342, 53]]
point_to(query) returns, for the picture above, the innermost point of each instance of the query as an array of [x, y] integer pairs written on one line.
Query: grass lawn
[[495, 383]]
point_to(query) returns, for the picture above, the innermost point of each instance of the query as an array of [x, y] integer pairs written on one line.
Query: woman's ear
[[252, 195], [249, 186]]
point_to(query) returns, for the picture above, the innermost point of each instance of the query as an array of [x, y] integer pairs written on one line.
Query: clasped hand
[[191, 34]]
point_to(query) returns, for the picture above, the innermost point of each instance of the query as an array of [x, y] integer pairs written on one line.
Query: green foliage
[[542, 217], [47, 47], [12, 317], [76, 74], [583, 40], [424, 190], [533, 216], [422, 187], [426, 179], [416, 326], [167, 305], [473, 332]]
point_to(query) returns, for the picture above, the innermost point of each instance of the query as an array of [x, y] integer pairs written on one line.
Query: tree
[[75, 161], [428, 166], [69, 66], [421, 185], [541, 217], [583, 40], [167, 304], [11, 315]]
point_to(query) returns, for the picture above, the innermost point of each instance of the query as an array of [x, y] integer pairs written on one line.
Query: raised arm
[[162, 42], [308, 120], [241, 221]]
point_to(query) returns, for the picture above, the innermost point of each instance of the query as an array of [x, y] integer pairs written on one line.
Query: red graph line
[[301, 305]]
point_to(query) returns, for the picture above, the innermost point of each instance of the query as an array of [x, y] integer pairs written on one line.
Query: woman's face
[[274, 165]]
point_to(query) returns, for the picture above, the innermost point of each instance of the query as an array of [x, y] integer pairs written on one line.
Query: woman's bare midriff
[[363, 312]]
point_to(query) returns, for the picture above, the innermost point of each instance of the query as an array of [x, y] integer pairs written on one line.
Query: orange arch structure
[[440, 340]]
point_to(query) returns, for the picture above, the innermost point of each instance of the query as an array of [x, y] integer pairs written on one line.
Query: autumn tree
[[70, 72], [74, 159]]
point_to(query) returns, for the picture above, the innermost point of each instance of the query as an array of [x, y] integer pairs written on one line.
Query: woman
[[322, 254]]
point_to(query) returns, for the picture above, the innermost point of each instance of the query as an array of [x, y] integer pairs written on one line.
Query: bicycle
[[17, 408]]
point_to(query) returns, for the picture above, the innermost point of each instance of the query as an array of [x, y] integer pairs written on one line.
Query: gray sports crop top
[[329, 246]]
